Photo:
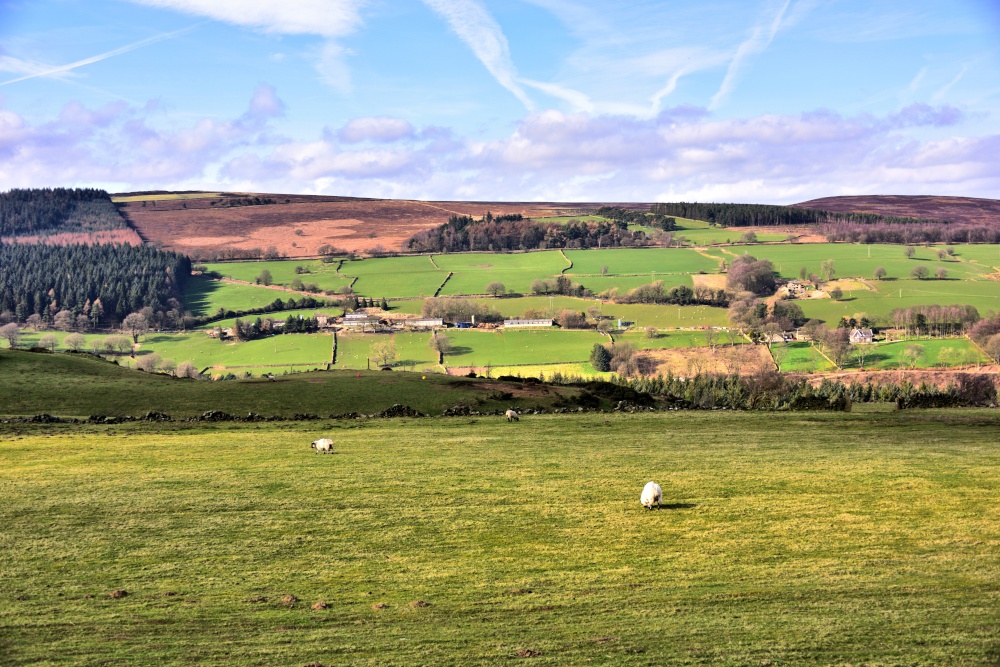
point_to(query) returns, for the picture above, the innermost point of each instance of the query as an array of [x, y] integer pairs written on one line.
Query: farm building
[[796, 288], [424, 323], [360, 321], [861, 336], [541, 322]]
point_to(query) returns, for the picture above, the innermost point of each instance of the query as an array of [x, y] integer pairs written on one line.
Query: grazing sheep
[[323, 445], [651, 493], [511, 416]]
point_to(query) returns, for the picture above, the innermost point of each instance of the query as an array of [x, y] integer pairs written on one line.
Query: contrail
[[103, 56]]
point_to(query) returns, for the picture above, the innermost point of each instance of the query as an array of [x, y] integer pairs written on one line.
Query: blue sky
[[751, 100]]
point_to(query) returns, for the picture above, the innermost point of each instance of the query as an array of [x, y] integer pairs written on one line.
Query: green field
[[890, 355], [204, 296], [473, 272], [800, 357], [324, 276], [275, 353], [645, 315], [78, 385], [166, 196], [412, 350], [395, 276], [664, 340], [852, 260], [631, 261], [805, 539], [889, 295], [509, 348]]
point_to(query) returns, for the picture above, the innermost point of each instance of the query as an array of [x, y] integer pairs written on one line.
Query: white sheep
[[651, 493], [323, 445], [511, 416]]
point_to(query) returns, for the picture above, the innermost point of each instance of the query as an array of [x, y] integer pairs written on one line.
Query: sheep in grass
[[511, 416], [324, 445], [651, 493]]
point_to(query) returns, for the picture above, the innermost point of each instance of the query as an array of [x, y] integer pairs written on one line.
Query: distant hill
[[200, 223], [954, 209]]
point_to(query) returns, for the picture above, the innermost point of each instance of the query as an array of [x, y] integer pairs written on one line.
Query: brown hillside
[[954, 209], [297, 225]]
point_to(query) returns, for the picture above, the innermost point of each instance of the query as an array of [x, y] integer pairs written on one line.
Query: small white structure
[[540, 322], [862, 336], [651, 493], [324, 445], [511, 416], [361, 321], [425, 323]]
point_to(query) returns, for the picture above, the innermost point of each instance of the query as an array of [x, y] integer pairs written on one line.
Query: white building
[[527, 323]]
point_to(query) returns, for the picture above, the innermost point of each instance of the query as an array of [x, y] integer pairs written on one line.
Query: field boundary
[[568, 260], [446, 279]]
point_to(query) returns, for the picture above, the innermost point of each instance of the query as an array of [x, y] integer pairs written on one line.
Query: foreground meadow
[[806, 539]]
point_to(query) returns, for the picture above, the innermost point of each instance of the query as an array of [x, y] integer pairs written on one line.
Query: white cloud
[[327, 18], [381, 129], [34, 70], [483, 35], [759, 40], [330, 19], [681, 153]]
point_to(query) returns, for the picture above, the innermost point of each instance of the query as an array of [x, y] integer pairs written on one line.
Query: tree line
[[104, 282], [633, 217], [41, 210], [764, 215], [885, 232], [514, 232], [769, 390]]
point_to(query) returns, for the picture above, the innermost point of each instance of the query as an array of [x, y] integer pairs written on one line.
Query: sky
[[770, 101]]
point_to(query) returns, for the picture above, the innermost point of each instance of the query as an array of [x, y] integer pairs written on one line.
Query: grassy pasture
[[203, 296], [639, 261], [670, 339], [322, 275], [800, 357], [643, 314], [547, 371], [473, 272], [354, 350], [598, 284], [891, 294], [506, 348], [79, 385], [890, 355], [276, 353], [803, 540], [852, 261], [395, 276], [169, 196]]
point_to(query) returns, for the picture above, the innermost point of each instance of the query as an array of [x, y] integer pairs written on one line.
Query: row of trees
[[680, 295], [762, 215], [911, 233], [635, 217], [244, 330], [104, 282], [46, 210], [513, 232], [767, 389]]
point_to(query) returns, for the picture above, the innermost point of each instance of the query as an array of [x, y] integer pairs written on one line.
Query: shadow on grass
[[678, 506], [197, 294]]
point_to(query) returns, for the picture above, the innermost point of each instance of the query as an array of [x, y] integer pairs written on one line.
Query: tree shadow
[[458, 351]]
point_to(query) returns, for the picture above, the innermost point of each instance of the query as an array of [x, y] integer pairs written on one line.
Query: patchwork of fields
[[406, 281]]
